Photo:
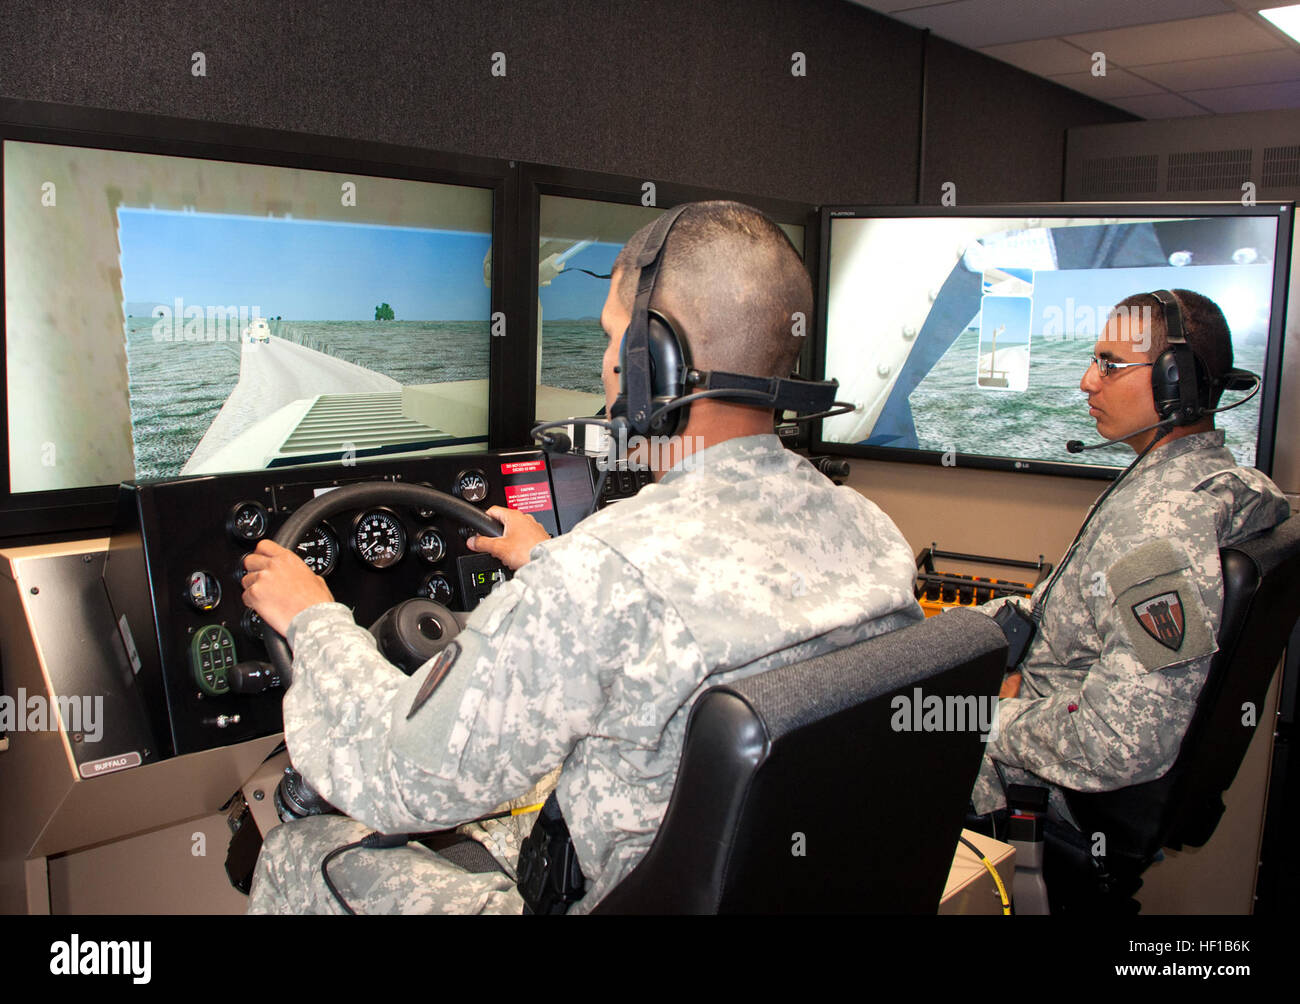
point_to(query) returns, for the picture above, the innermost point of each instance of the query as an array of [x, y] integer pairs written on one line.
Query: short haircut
[[1204, 328], [732, 283]]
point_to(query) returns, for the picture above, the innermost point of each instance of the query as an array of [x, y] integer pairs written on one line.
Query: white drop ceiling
[[1163, 58]]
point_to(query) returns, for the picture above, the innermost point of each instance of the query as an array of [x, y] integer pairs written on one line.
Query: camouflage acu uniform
[[589, 659], [1110, 681]]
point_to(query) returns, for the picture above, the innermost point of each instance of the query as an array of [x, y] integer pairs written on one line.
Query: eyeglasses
[[1105, 367]]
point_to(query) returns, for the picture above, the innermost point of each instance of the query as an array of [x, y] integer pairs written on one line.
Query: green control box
[[212, 652]]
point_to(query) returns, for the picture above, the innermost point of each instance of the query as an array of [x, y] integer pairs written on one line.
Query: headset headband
[[1173, 315], [1189, 406], [636, 364]]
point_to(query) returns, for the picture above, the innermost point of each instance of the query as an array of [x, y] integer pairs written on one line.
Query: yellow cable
[[527, 809], [1002, 890], [997, 879]]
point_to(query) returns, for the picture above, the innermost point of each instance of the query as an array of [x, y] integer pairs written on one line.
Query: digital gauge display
[[379, 538], [319, 549]]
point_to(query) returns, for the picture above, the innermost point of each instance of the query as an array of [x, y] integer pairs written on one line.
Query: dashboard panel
[[174, 566]]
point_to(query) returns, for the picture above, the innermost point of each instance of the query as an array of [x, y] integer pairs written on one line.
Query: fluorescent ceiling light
[[1286, 18]]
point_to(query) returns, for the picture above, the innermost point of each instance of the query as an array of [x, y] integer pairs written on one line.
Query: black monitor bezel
[[1284, 212], [91, 509], [536, 180]]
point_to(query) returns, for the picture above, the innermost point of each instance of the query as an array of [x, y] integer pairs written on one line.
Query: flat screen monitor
[[185, 315], [581, 229], [962, 334]]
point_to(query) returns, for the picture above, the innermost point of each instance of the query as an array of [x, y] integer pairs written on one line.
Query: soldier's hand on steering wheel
[[279, 585], [522, 534]]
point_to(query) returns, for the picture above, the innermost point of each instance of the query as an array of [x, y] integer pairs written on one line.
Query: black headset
[[653, 360], [655, 369], [1180, 380]]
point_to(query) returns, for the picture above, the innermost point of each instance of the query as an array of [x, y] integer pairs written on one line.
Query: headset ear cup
[[1164, 384], [1180, 380], [669, 362], [1171, 368]]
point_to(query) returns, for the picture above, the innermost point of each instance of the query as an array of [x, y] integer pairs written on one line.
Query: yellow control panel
[[937, 589]]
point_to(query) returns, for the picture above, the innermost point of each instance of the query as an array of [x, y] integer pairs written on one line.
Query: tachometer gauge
[[437, 587], [319, 549], [472, 486], [248, 521], [430, 545], [379, 538]]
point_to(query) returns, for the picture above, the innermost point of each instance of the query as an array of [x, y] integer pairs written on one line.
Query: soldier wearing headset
[[739, 558], [1120, 637]]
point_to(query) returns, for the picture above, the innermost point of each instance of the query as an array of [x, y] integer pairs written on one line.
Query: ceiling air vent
[[1208, 170], [1199, 157], [1281, 166], [1135, 175]]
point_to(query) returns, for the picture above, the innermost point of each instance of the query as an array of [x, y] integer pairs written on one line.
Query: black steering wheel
[[363, 496]]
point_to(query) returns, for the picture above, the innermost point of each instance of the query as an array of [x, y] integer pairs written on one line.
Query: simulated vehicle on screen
[[258, 331]]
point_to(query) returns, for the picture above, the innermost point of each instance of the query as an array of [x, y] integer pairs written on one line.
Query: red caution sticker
[[524, 466], [529, 498]]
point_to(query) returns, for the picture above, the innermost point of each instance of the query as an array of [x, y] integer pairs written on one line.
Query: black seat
[[1261, 602], [798, 792]]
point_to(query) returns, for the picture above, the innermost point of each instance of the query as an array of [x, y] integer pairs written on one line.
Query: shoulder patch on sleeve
[[1159, 605], [438, 671], [1162, 618]]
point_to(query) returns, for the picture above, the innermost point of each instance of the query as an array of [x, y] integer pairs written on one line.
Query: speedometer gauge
[[379, 538], [319, 549]]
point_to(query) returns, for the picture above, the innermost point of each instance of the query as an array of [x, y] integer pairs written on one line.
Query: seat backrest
[[817, 788], [1261, 602]]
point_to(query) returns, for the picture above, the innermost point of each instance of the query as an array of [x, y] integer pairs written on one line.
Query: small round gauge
[[430, 545], [471, 486], [252, 624], [424, 511], [203, 591], [437, 587], [379, 538], [319, 549], [248, 521]]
